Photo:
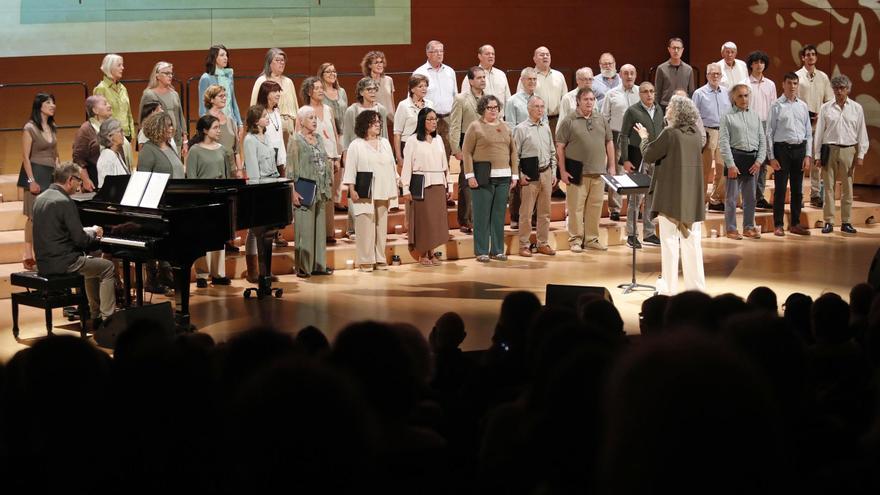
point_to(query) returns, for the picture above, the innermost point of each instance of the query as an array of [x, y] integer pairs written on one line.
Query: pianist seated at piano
[[112, 160], [61, 242], [207, 159], [158, 155], [307, 160]]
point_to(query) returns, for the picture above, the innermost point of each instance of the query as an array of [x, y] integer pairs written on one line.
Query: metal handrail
[[36, 84]]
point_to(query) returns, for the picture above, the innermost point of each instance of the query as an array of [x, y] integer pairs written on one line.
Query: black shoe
[[231, 248], [716, 206], [817, 202], [340, 208], [514, 225], [652, 240], [302, 274], [325, 271], [633, 242], [762, 204], [558, 194], [828, 228], [220, 281], [614, 216], [202, 283], [847, 228], [331, 241]]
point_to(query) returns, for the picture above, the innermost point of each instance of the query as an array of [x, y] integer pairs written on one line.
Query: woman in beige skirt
[[425, 156]]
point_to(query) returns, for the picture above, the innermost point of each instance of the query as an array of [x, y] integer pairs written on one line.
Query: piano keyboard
[[118, 241]]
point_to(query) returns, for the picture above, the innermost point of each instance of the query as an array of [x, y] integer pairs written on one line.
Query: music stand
[[634, 183]]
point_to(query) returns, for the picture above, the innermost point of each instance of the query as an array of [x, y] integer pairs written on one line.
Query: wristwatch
[[30, 181]]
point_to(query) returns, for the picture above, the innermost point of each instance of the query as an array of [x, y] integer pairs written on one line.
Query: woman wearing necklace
[[373, 66], [157, 154], [259, 162], [488, 144], [273, 70], [112, 160], [39, 157], [161, 89], [334, 95], [370, 152], [313, 95], [425, 155], [208, 160], [215, 101], [407, 114], [270, 97], [307, 159], [218, 71]]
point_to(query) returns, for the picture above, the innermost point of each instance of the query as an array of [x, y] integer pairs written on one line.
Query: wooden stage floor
[[418, 295]]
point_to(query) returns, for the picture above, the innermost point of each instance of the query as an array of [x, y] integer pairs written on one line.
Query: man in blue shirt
[[712, 102], [789, 149]]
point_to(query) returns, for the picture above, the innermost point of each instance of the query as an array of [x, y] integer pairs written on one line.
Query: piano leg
[[139, 283], [181, 274], [126, 281]]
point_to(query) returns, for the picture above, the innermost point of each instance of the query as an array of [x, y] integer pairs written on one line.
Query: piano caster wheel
[[278, 292]]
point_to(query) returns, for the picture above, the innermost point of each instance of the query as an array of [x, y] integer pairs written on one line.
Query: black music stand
[[630, 184]]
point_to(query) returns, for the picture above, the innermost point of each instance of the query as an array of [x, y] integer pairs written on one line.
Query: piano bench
[[49, 292]]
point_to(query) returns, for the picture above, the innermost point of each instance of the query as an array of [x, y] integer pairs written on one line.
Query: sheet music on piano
[[145, 189]]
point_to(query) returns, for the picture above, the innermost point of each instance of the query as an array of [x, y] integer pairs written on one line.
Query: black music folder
[[529, 167], [363, 184], [483, 173], [575, 169], [417, 186], [42, 175], [307, 189], [744, 160], [634, 183]]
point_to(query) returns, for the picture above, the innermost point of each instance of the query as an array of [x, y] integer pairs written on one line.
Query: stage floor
[[418, 295]]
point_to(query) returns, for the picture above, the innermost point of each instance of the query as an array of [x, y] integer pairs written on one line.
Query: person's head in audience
[[312, 341], [763, 298], [830, 317], [651, 315], [726, 305], [689, 411], [417, 346], [448, 332], [796, 312], [248, 352], [860, 298], [517, 310], [690, 309], [600, 314]]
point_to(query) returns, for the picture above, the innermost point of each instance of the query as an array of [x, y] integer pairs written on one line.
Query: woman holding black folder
[[425, 167], [371, 177], [309, 166], [491, 166]]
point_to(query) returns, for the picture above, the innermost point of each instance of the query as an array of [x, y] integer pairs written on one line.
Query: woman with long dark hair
[[219, 71], [208, 160], [39, 157], [425, 157]]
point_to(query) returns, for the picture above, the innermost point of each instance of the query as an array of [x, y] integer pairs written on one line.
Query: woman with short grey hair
[[112, 160], [115, 92]]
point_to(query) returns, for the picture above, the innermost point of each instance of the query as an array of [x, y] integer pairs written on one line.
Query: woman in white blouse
[[269, 97], [425, 158], [112, 160], [312, 92], [406, 116], [371, 153], [273, 70]]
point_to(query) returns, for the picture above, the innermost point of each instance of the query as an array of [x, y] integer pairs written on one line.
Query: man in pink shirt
[[763, 95]]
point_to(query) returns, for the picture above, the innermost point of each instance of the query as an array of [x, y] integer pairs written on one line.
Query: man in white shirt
[[814, 88], [551, 84], [441, 79], [617, 100], [496, 79], [762, 97], [841, 130], [712, 102], [584, 79], [608, 78], [733, 70]]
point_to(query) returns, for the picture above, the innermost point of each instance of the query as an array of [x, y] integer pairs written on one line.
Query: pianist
[[60, 241]]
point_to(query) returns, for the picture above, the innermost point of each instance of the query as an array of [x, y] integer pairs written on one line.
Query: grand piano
[[194, 216]]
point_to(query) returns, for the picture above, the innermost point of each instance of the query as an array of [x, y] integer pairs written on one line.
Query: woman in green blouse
[[115, 92], [208, 160], [307, 159]]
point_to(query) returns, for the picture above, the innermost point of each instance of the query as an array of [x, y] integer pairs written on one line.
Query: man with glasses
[[608, 78], [712, 102], [617, 101], [584, 79], [673, 74], [517, 111], [61, 242], [533, 142], [441, 82], [814, 88], [841, 130], [464, 111], [496, 79], [648, 114], [584, 152]]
